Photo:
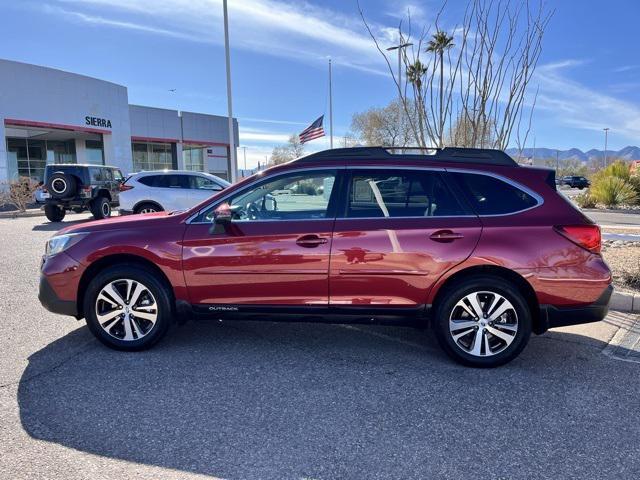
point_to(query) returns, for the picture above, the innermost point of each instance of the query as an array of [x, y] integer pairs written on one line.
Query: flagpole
[[330, 109]]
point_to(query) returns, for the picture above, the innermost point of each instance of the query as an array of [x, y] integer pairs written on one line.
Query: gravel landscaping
[[624, 260]]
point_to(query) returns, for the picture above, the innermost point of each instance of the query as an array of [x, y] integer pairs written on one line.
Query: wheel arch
[[119, 259], [511, 276], [103, 192], [142, 202]]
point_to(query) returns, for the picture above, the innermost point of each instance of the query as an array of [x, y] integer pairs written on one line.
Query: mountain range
[[627, 153]]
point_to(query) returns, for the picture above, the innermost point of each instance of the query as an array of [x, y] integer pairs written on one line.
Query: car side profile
[[167, 190], [575, 181], [465, 241]]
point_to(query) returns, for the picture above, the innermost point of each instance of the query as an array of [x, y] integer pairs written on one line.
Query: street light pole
[[399, 48], [233, 166], [606, 138], [245, 158]]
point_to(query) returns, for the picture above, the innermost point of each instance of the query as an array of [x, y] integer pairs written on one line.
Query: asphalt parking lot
[[253, 400]]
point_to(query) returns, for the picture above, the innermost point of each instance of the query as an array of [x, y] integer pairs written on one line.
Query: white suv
[[146, 192]]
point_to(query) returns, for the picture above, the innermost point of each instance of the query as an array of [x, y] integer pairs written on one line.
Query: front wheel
[[483, 321], [101, 208], [127, 308], [54, 213]]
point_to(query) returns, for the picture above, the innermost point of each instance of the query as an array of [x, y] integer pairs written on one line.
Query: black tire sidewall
[[479, 283], [96, 208], [157, 288], [54, 213]]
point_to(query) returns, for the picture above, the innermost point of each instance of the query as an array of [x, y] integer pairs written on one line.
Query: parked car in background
[[466, 241], [156, 191], [80, 187], [575, 181]]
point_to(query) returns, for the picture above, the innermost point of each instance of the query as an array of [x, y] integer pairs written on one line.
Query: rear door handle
[[444, 236], [310, 241]]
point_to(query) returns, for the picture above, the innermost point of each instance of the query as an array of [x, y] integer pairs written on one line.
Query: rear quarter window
[[492, 196], [149, 180]]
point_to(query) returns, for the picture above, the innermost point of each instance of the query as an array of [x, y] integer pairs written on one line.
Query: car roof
[[75, 165]]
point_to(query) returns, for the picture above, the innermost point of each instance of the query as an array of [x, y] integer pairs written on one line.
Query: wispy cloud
[[626, 68], [296, 30], [577, 105]]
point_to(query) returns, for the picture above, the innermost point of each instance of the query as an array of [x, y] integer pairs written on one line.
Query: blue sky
[[588, 76]]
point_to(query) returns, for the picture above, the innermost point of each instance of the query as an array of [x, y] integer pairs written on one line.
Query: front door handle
[[310, 241], [445, 236]]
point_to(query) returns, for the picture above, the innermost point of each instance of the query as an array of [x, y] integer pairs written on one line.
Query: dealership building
[[48, 116]]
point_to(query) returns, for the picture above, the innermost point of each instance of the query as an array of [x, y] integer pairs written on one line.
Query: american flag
[[313, 131]]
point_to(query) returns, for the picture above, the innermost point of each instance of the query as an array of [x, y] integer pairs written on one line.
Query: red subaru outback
[[483, 250]]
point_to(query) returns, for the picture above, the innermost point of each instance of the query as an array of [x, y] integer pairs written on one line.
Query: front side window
[[204, 183], [400, 193], [297, 196], [492, 196]]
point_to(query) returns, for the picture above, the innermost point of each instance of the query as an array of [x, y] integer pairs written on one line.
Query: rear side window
[[400, 193], [492, 196], [149, 180], [96, 174]]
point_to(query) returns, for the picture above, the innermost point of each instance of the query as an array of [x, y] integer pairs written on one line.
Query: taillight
[[585, 236], [123, 188]]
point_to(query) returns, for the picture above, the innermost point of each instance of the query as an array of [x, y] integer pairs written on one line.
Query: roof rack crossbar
[[446, 154]]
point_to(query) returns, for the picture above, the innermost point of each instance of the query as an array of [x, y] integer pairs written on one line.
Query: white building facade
[[48, 116]]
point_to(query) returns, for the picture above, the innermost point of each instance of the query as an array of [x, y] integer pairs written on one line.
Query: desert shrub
[[18, 193], [586, 200], [612, 191], [631, 279]]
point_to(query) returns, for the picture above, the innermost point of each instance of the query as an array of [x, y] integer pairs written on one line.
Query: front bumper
[[52, 302], [551, 316]]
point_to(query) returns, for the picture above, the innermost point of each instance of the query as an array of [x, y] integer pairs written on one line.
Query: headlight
[[60, 243]]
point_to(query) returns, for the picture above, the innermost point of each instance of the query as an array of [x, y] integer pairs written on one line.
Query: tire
[[513, 327], [101, 208], [54, 213], [154, 300], [62, 185], [148, 207]]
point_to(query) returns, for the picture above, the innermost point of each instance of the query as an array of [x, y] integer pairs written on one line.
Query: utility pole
[[245, 158], [330, 109], [233, 164], [399, 48], [606, 135]]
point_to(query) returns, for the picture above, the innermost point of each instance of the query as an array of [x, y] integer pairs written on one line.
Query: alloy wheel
[[126, 309], [483, 323], [148, 210]]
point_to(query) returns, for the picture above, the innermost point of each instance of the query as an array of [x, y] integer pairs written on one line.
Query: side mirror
[[221, 219]]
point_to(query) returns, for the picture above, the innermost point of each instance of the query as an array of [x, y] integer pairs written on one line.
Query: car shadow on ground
[[264, 400]]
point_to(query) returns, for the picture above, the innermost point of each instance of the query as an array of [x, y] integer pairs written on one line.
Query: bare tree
[[18, 193], [478, 76], [285, 153], [388, 126]]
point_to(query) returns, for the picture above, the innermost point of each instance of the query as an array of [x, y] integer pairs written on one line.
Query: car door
[[275, 250], [172, 190], [201, 188], [399, 232]]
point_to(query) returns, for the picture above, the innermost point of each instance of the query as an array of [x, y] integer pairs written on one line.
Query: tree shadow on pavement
[[252, 400]]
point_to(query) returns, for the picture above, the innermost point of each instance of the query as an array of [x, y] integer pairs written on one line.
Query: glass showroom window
[[94, 152], [193, 158], [152, 156]]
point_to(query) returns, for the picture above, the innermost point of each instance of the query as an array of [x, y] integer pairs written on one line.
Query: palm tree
[[440, 42], [415, 72]]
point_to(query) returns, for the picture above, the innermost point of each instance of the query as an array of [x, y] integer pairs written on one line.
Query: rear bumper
[[125, 212], [551, 316], [50, 300]]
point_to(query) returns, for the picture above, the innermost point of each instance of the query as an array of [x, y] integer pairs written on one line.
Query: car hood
[[147, 220]]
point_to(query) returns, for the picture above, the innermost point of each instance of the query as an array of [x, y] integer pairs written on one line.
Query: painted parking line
[[625, 344]]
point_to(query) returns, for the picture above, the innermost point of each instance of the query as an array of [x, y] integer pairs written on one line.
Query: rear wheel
[[54, 213], [101, 208], [148, 207], [127, 308], [483, 321]]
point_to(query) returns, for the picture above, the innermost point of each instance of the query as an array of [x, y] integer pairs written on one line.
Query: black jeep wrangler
[[81, 187]]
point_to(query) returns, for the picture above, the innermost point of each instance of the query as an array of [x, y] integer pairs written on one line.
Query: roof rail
[[448, 154]]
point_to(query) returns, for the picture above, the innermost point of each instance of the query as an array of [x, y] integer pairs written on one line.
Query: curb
[[29, 213], [625, 302]]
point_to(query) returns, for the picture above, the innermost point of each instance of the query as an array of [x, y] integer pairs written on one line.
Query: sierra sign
[[97, 122]]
